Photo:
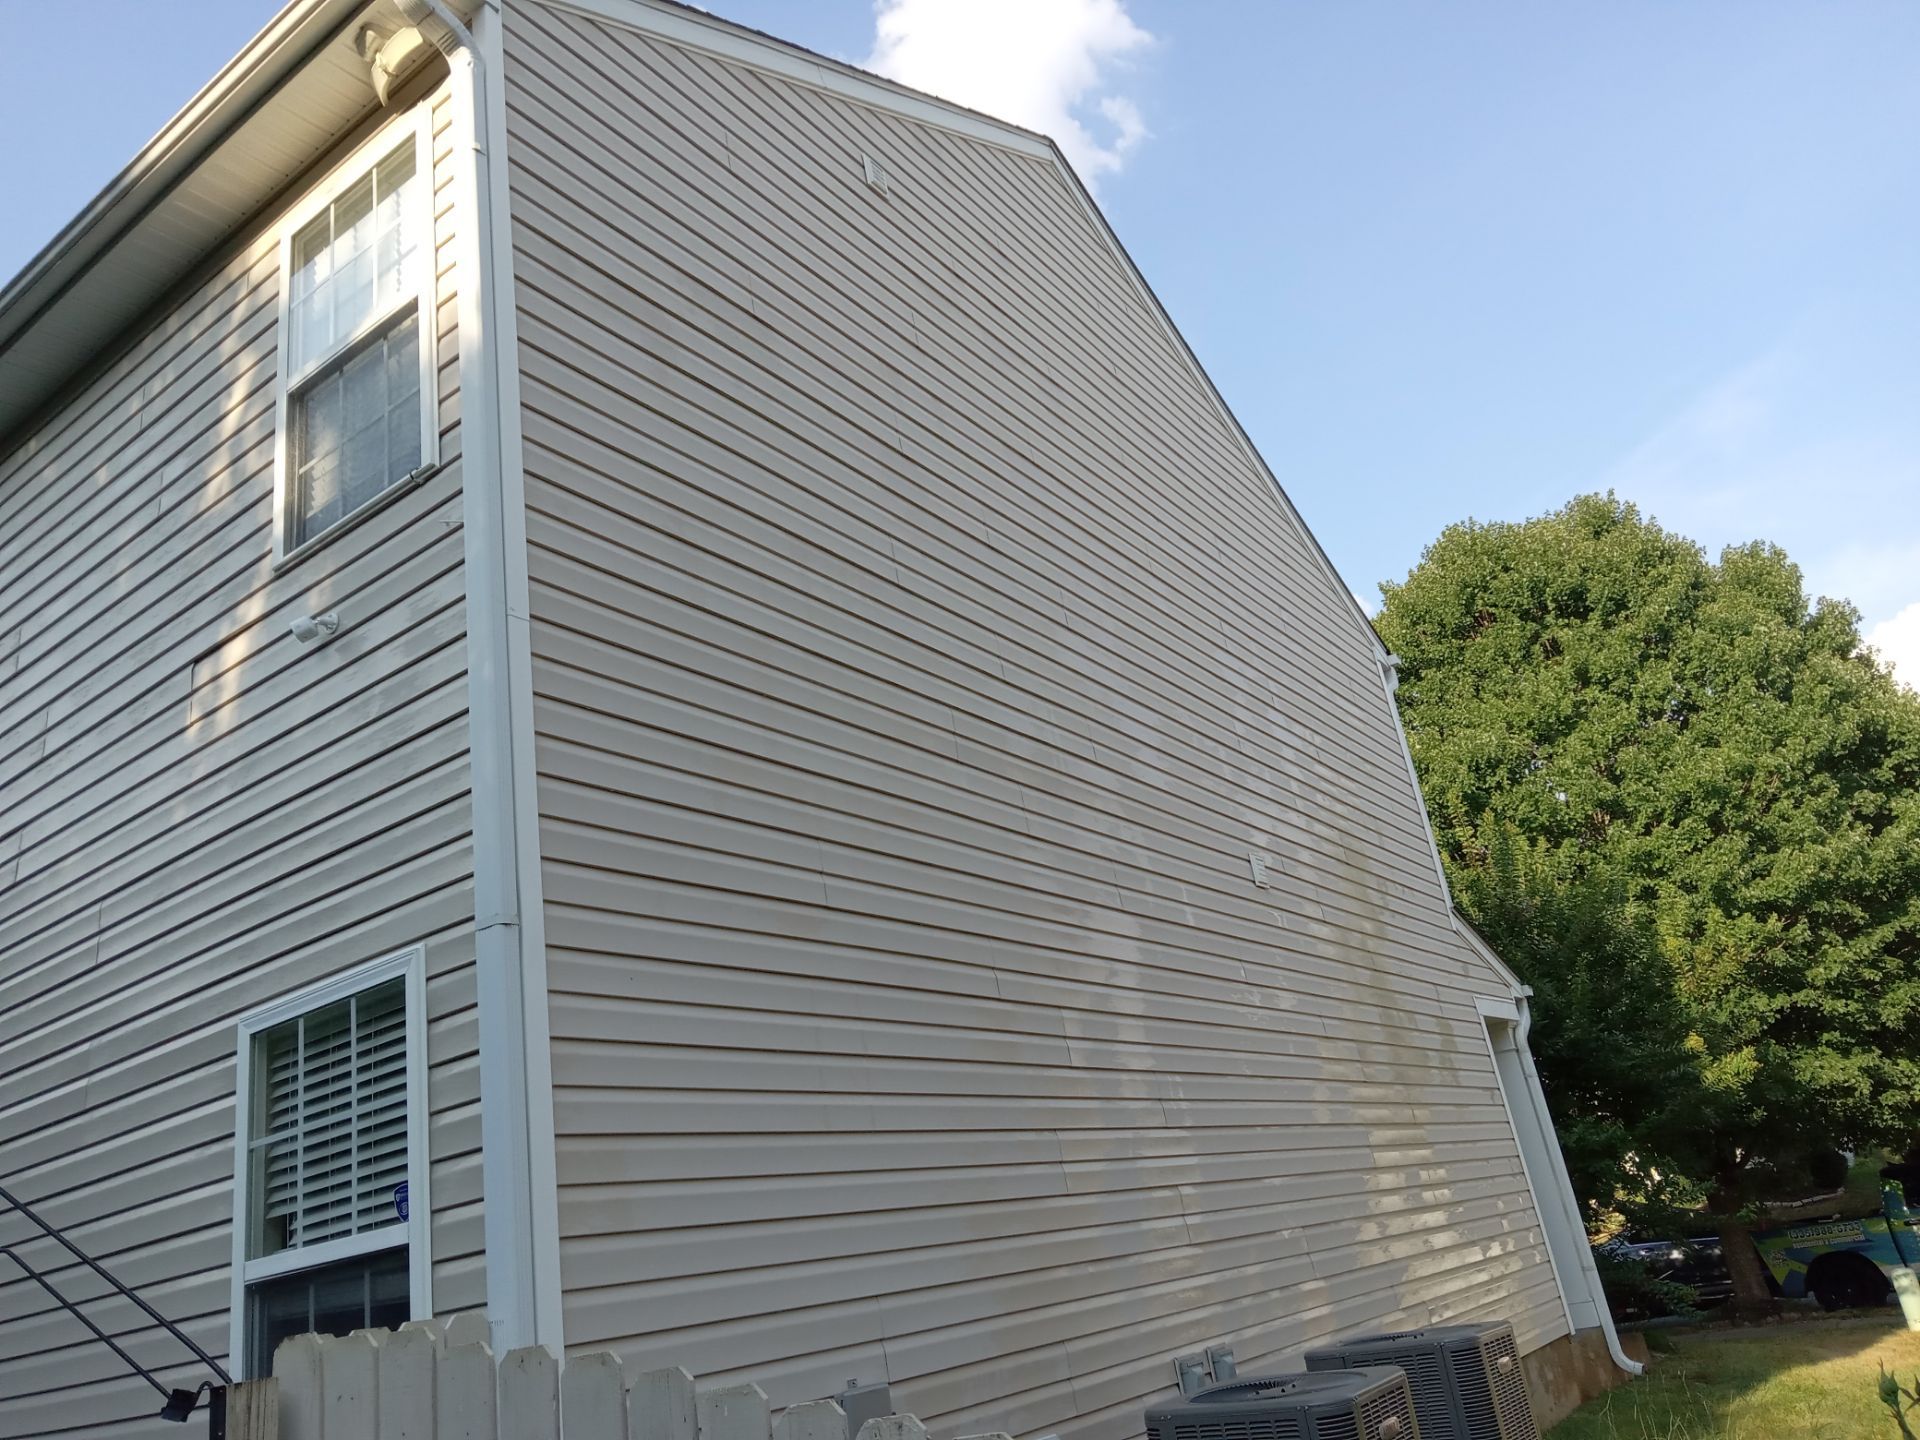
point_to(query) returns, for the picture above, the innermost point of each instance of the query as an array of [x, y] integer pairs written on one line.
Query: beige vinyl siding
[[918, 655], [199, 817]]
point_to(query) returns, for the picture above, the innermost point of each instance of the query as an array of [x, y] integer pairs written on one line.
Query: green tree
[[1610, 1038], [1721, 756]]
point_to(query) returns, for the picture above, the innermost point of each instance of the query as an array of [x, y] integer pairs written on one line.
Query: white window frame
[[421, 286], [415, 1231]]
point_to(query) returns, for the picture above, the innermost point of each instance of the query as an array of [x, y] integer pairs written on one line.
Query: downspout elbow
[[1589, 1273]]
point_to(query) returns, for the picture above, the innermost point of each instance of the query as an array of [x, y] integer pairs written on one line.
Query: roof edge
[[1475, 940], [697, 29], [287, 40]]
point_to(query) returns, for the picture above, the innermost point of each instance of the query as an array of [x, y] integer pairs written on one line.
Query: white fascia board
[[1478, 944], [1367, 632], [697, 30], [239, 85]]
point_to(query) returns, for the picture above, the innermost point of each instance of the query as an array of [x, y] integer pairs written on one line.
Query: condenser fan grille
[[1276, 1427]]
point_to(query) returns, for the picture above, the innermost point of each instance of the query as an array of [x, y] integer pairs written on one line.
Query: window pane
[[354, 261], [339, 1300], [328, 1138], [310, 306], [352, 282], [370, 1292], [279, 1309], [355, 429], [395, 199]]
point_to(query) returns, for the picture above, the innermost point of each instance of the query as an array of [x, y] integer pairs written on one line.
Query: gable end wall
[[918, 656]]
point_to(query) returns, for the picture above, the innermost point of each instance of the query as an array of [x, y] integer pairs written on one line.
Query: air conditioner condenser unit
[[1466, 1379], [1372, 1404]]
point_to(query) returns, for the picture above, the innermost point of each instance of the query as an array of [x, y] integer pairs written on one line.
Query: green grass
[[1813, 1380]]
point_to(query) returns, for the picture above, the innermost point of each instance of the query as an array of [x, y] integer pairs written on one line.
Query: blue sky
[[1443, 260]]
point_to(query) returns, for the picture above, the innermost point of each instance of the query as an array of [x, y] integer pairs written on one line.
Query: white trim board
[[502, 322], [697, 30], [521, 1217]]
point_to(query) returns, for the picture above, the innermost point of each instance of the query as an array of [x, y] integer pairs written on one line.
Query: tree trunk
[[1752, 1297]]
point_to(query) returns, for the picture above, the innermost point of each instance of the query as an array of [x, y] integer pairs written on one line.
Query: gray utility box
[[1339, 1405], [1466, 1379]]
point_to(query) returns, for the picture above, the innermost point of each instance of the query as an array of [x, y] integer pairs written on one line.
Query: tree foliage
[[1686, 805], [1609, 1037]]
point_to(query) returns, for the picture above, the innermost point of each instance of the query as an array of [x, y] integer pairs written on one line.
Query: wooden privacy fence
[[438, 1380]]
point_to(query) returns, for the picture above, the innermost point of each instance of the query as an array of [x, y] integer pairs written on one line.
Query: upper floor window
[[356, 399]]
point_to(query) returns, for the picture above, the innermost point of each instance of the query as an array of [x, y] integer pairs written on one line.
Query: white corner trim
[[521, 1216], [410, 964], [1562, 1189], [502, 320], [715, 36]]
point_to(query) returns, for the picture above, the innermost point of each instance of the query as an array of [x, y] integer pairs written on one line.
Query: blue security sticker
[[400, 1200]]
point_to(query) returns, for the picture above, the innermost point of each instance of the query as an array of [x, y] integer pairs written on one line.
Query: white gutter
[[1563, 1186], [288, 39], [516, 1077]]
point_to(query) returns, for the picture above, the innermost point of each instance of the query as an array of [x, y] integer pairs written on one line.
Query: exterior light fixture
[[316, 629]]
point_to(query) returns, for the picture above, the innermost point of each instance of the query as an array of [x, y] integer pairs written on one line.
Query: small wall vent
[[876, 174]]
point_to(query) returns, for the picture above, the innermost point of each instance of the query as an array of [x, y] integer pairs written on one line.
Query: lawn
[[1812, 1380]]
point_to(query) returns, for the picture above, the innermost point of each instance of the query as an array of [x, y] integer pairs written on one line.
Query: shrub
[[1634, 1292]]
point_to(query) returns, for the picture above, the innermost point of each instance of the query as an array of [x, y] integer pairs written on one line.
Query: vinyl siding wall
[[917, 657], [197, 817]]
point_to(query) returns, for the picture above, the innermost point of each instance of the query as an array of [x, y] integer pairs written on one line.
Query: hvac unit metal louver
[[1466, 1379], [1348, 1405]]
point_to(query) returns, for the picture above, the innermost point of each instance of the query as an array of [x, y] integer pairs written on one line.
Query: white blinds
[[329, 1128]]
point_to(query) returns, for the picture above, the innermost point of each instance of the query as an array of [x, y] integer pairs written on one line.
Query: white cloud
[[1897, 638], [1046, 64]]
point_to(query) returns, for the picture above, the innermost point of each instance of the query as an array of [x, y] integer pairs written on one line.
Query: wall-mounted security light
[[316, 629]]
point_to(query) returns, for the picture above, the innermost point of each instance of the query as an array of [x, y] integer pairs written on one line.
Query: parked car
[[1697, 1263]]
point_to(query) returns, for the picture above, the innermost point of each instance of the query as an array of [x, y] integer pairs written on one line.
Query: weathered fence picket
[[439, 1380], [593, 1398]]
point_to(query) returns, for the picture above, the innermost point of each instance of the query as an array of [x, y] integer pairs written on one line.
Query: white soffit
[[274, 110]]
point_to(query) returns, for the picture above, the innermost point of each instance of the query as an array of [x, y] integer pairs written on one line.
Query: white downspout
[[516, 1106], [1537, 1100]]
